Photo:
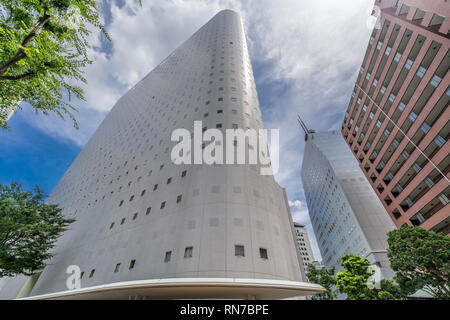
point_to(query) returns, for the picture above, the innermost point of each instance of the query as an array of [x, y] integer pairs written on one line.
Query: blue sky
[[305, 57]]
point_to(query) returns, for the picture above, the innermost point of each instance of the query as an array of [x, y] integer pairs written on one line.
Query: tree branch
[[18, 77], [20, 54]]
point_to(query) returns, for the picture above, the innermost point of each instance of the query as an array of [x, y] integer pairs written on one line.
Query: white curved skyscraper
[[140, 217]]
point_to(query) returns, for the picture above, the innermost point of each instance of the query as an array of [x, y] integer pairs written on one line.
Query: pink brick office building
[[398, 120]]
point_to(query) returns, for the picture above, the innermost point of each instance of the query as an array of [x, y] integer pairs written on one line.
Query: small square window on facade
[[421, 72], [131, 198], [149, 209], [143, 192], [440, 141], [179, 197], [435, 81], [183, 174], [121, 203], [163, 205], [117, 268], [379, 45], [132, 263], [239, 251], [111, 226], [155, 187], [387, 51], [167, 256], [188, 252], [263, 253], [169, 180], [92, 273], [408, 64], [135, 216]]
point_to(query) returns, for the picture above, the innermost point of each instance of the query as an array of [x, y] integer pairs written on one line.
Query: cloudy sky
[[305, 56]]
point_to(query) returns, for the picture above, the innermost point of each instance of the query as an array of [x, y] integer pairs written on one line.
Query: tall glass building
[[148, 228], [346, 215]]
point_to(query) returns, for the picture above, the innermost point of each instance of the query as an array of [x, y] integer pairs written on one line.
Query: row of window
[[239, 251]]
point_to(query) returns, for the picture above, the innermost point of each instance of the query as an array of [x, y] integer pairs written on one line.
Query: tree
[[43, 49], [324, 277], [28, 230], [353, 280], [421, 259]]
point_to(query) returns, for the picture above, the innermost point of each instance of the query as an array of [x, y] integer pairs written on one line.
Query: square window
[[219, 125], [183, 174], [92, 273], [220, 111], [439, 141], [379, 45], [387, 51], [131, 198], [132, 263], [392, 97], [398, 56], [239, 251], [408, 64], [117, 267], [412, 116], [425, 127], [123, 221], [167, 256], [155, 187], [401, 106], [143, 192], [435, 81], [149, 209], [383, 89], [163, 205], [179, 197], [188, 252], [111, 226], [421, 72], [263, 253], [169, 180], [135, 216]]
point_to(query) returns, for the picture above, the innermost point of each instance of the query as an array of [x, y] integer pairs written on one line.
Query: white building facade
[[140, 217], [346, 215], [304, 245]]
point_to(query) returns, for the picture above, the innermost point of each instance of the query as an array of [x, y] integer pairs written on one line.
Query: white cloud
[[311, 49], [295, 203]]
